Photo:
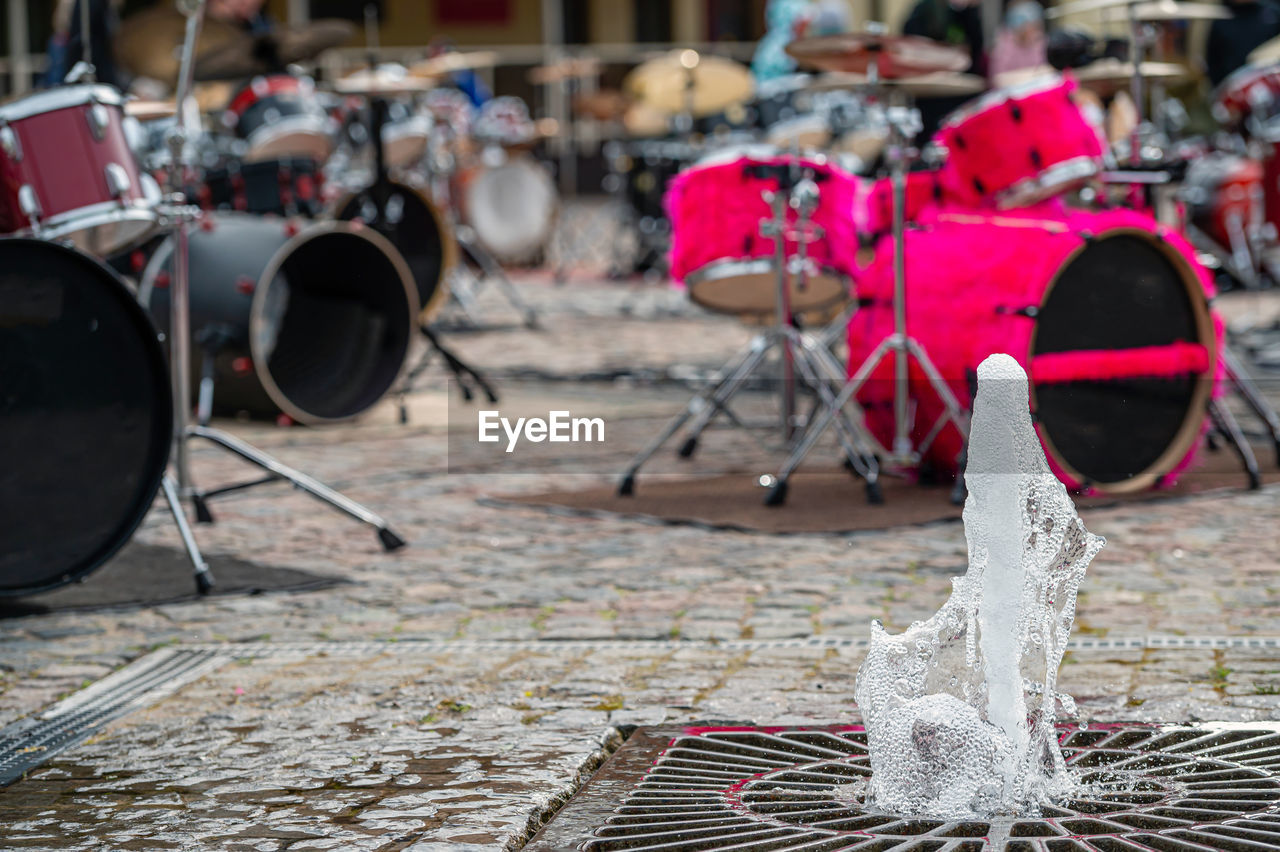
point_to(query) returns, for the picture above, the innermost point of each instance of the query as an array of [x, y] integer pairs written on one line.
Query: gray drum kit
[[294, 237]]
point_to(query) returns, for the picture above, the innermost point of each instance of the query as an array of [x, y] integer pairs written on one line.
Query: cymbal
[[938, 84], [249, 55], [1172, 10], [569, 68], [604, 105], [1113, 72], [1266, 53], [383, 80], [1005, 79], [149, 110], [1080, 6], [893, 56], [148, 43], [447, 63], [666, 83]]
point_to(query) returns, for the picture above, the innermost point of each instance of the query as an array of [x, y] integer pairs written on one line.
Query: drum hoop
[[300, 123], [96, 215], [162, 420], [268, 275], [1056, 178], [1197, 408], [999, 97], [67, 97]]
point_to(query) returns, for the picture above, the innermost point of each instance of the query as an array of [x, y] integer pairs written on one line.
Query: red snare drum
[[1019, 145], [67, 171], [1225, 196], [716, 210], [1250, 99], [280, 116], [1107, 312]]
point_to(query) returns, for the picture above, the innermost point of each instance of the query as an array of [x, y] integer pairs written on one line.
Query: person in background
[[247, 14], [467, 80], [1020, 43], [1231, 39], [787, 20], [104, 22]]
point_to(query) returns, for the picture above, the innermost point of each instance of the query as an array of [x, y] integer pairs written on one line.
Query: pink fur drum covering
[[1020, 133], [715, 212], [967, 274]]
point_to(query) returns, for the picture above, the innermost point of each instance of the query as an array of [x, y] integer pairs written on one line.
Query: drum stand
[[179, 484], [903, 122], [817, 366]]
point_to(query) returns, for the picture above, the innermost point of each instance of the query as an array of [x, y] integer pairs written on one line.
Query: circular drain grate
[[1142, 787]]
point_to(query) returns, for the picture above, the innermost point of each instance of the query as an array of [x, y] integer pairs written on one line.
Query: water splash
[[960, 709]]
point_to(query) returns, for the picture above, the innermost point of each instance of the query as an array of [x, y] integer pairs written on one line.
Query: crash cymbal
[[671, 82], [569, 68], [1172, 10], [383, 80], [447, 63], [249, 55], [1006, 79], [1080, 6], [1113, 72], [1266, 53], [893, 56], [149, 110], [938, 84], [213, 96], [149, 42]]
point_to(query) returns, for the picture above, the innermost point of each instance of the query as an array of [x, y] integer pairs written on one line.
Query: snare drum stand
[[177, 485], [903, 123], [816, 365]]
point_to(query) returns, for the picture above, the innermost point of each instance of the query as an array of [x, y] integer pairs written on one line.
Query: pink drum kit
[[995, 242]]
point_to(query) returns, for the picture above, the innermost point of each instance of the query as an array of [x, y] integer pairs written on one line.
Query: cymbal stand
[[903, 123], [814, 362], [179, 216]]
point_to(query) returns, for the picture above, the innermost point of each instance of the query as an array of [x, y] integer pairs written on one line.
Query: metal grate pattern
[[29, 742], [1211, 787]]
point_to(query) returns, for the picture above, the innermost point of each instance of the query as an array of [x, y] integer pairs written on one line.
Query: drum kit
[[242, 222], [989, 238]]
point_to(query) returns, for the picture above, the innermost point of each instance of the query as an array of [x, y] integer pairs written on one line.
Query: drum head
[[414, 227], [1123, 291], [750, 288], [86, 411], [512, 208]]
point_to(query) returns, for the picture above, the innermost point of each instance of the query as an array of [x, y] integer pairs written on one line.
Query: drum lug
[[117, 180], [30, 204], [9, 143], [98, 117]]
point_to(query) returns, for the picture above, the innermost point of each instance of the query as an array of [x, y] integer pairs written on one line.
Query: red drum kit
[[996, 237]]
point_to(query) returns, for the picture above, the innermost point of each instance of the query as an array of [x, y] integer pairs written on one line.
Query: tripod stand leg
[[390, 540], [493, 270], [460, 369], [204, 578], [748, 355], [462, 293], [718, 401], [1248, 389], [1226, 423]]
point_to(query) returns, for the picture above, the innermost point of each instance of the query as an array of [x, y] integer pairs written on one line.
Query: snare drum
[[279, 116], [1019, 145], [717, 208], [67, 171], [510, 202]]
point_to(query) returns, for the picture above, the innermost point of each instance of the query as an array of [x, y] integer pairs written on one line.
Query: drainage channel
[[29, 742], [1140, 787]]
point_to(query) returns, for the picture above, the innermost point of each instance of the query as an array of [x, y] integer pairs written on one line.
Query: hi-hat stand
[[903, 123], [178, 216], [798, 351]]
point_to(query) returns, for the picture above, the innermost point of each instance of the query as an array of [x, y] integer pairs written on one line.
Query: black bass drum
[[312, 322], [85, 410]]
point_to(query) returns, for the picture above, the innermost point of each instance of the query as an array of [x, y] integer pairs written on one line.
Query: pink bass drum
[[1107, 312], [1019, 145], [716, 209], [67, 171]]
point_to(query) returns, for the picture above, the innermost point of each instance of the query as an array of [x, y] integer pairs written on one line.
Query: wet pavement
[[500, 654]]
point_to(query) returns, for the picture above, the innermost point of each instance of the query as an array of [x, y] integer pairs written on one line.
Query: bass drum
[[415, 227], [313, 323], [1107, 312], [86, 411], [511, 206]]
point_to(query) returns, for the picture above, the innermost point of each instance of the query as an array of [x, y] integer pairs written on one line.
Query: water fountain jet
[[960, 708]]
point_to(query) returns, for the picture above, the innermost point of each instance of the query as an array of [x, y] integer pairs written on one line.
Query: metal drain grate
[[29, 742], [1210, 787]]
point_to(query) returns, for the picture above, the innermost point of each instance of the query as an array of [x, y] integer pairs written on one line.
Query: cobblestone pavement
[[439, 738]]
